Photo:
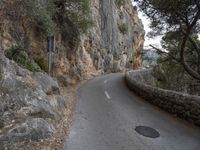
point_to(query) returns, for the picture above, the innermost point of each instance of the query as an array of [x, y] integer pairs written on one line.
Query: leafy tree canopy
[[176, 16], [68, 17], [46, 14]]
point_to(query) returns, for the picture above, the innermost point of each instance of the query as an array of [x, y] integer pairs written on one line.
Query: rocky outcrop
[[113, 44], [117, 38], [31, 129], [180, 104], [30, 104]]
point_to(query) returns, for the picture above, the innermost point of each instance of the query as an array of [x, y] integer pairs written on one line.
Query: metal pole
[[52, 52], [50, 48], [49, 55], [54, 44], [1, 46], [1, 55]]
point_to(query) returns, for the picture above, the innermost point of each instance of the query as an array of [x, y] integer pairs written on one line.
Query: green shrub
[[135, 8], [1, 120], [41, 14], [20, 56], [123, 27], [0, 74], [42, 63], [17, 54], [33, 67], [75, 14], [120, 3], [71, 18]]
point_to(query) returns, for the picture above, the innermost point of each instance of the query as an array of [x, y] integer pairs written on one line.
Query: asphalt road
[[107, 114]]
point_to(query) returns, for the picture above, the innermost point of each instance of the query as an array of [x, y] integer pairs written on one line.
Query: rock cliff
[[31, 102], [113, 44]]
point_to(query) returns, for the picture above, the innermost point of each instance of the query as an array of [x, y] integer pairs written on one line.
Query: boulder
[[58, 102], [65, 80], [32, 129], [28, 102], [49, 86]]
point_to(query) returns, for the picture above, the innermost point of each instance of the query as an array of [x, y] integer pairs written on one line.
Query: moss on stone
[[20, 56], [42, 63], [123, 27], [120, 3]]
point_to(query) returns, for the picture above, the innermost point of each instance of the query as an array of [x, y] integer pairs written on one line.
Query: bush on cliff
[[120, 3], [123, 27], [20, 56], [70, 18], [42, 63]]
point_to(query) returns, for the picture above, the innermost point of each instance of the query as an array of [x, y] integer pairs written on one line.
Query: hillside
[[91, 38]]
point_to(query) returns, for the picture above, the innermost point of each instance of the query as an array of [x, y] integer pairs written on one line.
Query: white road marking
[[107, 95], [105, 81]]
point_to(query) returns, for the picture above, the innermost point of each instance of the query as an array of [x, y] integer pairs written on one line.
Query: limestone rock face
[[30, 103], [31, 129], [113, 44], [49, 86], [119, 32]]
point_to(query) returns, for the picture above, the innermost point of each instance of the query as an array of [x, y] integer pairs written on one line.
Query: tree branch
[[187, 68], [171, 56], [197, 3], [194, 44]]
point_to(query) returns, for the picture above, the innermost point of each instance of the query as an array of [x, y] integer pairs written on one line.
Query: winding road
[[107, 114]]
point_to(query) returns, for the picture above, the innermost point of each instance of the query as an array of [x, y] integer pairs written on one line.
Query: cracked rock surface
[[30, 104]]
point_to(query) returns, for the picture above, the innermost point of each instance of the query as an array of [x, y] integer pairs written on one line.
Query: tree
[[170, 74], [182, 17], [69, 17], [73, 19], [24, 16]]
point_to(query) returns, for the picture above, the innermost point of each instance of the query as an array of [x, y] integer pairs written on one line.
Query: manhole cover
[[147, 131]]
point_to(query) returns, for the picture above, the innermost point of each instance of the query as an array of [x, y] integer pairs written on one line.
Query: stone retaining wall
[[180, 104]]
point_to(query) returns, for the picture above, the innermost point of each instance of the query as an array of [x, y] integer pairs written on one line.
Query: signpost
[[50, 49], [1, 45], [1, 55]]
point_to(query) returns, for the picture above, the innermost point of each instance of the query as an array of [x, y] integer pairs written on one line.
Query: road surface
[[107, 114]]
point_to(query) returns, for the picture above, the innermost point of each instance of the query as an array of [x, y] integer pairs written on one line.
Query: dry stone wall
[[180, 104]]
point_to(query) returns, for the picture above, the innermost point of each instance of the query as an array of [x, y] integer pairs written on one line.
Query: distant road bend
[[110, 117]]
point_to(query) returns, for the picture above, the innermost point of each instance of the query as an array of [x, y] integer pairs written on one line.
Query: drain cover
[[147, 131]]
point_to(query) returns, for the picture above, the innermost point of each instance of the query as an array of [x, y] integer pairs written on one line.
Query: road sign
[[51, 44]]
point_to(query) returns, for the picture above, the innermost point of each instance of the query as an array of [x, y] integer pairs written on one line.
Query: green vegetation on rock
[[73, 19], [123, 27], [42, 13], [17, 54], [120, 3], [42, 63], [49, 17], [20, 56]]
